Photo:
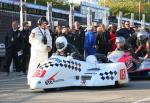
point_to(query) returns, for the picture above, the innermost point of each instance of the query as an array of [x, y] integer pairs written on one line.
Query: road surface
[[13, 89]]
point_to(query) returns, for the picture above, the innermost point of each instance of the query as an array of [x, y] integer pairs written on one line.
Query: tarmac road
[[13, 89]]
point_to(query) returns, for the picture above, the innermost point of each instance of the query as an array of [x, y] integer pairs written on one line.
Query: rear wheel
[[117, 84], [47, 90]]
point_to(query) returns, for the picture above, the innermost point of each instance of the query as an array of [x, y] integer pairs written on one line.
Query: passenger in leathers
[[41, 44], [141, 49]]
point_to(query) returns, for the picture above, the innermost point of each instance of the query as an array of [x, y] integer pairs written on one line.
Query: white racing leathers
[[39, 51]]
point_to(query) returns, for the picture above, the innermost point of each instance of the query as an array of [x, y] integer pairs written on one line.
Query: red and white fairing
[[139, 70], [60, 71], [121, 56]]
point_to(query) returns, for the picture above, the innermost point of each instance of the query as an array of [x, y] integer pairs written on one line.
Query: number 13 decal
[[122, 74]]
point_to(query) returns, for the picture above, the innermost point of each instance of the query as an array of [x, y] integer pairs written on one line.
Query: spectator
[[125, 32], [57, 33], [41, 44], [14, 47], [78, 38], [52, 36], [102, 40], [26, 50], [147, 56], [112, 35], [132, 39], [148, 32], [67, 34], [72, 30], [90, 42]]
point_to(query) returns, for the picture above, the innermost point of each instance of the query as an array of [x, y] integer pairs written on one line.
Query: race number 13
[[122, 74]]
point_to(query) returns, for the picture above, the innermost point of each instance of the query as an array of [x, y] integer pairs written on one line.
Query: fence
[[6, 18]]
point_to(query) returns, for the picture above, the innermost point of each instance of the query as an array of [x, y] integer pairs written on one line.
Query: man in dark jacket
[[125, 32], [78, 37], [26, 50], [14, 47]]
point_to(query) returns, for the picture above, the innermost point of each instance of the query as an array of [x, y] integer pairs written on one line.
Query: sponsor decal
[[52, 80], [47, 82], [122, 74], [39, 73], [129, 64], [56, 59], [83, 82]]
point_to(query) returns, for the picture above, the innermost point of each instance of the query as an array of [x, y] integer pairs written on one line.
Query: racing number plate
[[122, 74], [39, 73]]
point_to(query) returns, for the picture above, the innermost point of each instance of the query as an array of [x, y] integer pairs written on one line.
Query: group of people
[[17, 47], [30, 48]]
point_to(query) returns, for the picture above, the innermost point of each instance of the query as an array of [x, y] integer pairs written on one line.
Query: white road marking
[[17, 78], [142, 100]]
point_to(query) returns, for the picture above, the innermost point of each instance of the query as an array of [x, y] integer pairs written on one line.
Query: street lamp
[[34, 1], [71, 15], [139, 10], [21, 14], [25, 10]]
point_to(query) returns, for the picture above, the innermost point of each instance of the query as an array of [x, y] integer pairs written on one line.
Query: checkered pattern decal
[[108, 75], [67, 64]]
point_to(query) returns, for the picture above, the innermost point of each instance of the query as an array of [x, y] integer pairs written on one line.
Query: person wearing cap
[[41, 44]]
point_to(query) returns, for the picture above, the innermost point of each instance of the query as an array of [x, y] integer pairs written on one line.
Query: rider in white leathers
[[41, 43]]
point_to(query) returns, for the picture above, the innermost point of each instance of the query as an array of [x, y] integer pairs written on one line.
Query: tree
[[128, 7]]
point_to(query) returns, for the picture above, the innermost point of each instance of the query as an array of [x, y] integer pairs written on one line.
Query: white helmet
[[121, 40], [61, 43], [142, 35]]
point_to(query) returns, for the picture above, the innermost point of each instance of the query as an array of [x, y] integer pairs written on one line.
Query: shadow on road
[[133, 85]]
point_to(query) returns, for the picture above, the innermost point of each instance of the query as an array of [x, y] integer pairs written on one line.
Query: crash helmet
[[120, 40], [61, 43], [142, 36]]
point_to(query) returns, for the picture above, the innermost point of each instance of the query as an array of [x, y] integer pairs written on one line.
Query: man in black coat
[[14, 47], [78, 37], [125, 32], [26, 49]]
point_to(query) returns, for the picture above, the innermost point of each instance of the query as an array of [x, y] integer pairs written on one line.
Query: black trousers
[[11, 55], [25, 62]]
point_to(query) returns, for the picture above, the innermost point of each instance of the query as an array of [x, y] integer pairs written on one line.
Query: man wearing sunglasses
[[41, 44], [125, 32]]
